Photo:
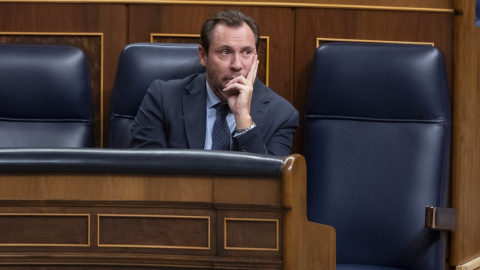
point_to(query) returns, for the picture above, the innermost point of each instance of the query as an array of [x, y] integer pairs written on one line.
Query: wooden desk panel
[[118, 221]]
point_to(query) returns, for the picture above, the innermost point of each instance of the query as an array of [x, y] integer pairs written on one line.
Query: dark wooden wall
[[293, 30]]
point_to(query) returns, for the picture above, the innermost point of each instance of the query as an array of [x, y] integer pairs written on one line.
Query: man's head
[[231, 18], [229, 42]]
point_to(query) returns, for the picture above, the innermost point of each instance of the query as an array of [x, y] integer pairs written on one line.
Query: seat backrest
[[377, 147], [45, 97], [138, 66]]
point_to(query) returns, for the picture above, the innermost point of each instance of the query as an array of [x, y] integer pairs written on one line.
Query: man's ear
[[202, 55]]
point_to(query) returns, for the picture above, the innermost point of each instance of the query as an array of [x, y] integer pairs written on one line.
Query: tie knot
[[222, 109]]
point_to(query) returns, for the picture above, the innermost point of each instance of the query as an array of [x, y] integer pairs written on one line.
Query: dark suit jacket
[[173, 115]]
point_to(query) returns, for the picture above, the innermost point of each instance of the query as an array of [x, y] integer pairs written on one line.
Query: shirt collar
[[212, 99]]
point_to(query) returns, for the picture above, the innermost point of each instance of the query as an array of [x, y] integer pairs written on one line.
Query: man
[[186, 113]]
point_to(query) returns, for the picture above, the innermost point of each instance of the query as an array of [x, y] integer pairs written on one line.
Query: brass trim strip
[[155, 246], [74, 34], [252, 3], [152, 35], [101, 88], [266, 38], [50, 245], [250, 219], [267, 65], [52, 33], [371, 41]]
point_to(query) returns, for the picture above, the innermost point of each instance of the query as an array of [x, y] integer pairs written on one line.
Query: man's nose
[[236, 63]]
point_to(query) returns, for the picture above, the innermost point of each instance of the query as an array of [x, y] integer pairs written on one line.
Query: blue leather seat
[[477, 13], [140, 64], [377, 147], [45, 97]]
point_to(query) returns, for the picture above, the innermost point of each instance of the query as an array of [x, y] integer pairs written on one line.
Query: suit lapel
[[260, 101], [194, 112]]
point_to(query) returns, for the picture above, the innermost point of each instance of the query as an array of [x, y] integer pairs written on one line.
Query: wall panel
[[466, 142]]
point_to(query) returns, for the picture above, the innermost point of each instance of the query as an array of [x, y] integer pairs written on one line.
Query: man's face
[[230, 55]]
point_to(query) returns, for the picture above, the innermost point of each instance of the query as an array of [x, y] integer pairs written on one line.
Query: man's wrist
[[243, 121], [243, 130]]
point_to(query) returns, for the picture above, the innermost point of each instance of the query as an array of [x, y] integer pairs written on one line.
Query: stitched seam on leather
[[45, 120], [328, 117], [122, 116]]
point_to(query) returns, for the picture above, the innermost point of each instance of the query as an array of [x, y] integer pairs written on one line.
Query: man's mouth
[[230, 77]]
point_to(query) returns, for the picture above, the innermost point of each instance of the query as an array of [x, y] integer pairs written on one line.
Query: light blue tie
[[221, 132]]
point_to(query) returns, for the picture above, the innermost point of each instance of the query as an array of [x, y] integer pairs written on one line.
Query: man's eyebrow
[[248, 48], [223, 47], [228, 47]]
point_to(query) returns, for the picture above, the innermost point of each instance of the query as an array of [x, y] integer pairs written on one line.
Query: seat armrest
[[440, 218]]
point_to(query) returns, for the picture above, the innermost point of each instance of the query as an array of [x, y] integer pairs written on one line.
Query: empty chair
[[45, 97], [377, 147], [138, 66]]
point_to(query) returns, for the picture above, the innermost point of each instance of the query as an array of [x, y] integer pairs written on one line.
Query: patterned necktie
[[221, 131]]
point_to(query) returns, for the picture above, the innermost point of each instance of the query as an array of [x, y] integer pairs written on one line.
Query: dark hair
[[232, 18]]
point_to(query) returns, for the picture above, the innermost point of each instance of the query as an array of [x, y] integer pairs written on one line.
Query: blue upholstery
[[138, 66], [477, 13], [377, 147], [362, 267], [45, 97]]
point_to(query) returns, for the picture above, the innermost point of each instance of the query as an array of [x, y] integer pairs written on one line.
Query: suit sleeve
[[148, 128], [278, 144]]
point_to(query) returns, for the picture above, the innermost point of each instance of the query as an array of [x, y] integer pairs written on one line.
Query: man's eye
[[246, 52], [224, 52]]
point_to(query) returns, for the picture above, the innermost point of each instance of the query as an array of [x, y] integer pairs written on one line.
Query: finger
[[234, 86], [252, 73], [238, 79], [232, 91]]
